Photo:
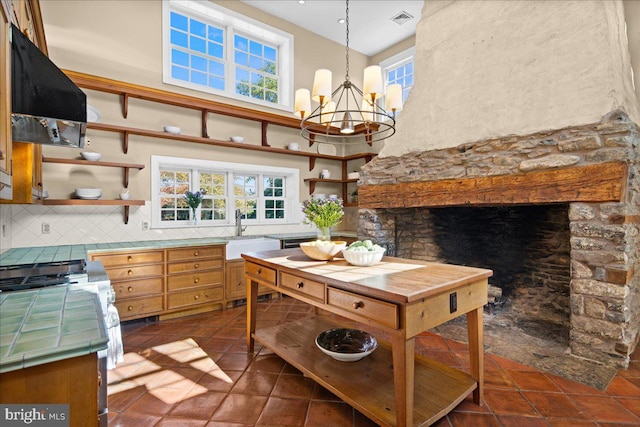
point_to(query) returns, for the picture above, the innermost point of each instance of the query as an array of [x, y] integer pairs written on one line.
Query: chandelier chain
[[347, 54]]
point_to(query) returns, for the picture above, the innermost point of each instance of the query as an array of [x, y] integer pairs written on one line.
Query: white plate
[[328, 149], [89, 197], [93, 114]]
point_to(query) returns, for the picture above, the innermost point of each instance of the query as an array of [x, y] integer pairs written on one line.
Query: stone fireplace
[[523, 160]]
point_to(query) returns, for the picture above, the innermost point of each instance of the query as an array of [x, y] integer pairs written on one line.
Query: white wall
[[495, 68]]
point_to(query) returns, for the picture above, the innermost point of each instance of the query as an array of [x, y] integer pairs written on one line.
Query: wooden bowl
[[322, 251]]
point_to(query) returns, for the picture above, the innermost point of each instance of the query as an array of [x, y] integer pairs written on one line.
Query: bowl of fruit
[[363, 253], [322, 250]]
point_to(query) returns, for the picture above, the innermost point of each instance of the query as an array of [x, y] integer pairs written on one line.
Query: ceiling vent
[[402, 17]]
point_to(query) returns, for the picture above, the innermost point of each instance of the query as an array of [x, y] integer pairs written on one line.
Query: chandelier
[[348, 113]]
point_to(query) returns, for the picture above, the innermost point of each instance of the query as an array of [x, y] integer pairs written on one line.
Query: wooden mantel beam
[[591, 183]]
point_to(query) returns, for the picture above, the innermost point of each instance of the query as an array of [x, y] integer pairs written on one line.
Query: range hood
[[46, 107]]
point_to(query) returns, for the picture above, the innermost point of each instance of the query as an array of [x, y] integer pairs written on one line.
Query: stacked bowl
[[89, 193]]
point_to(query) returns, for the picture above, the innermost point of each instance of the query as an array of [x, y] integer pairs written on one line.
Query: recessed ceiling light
[[301, 1], [341, 21]]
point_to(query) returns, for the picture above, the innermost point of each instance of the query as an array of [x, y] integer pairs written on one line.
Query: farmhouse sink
[[237, 246]]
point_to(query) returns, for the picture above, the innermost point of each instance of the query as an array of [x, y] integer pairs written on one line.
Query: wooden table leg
[[403, 377], [252, 308], [475, 327]]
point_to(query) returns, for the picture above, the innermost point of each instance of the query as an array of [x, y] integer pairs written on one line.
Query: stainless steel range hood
[[47, 107]]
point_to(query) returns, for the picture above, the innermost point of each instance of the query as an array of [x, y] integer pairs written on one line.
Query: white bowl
[[175, 130], [125, 196], [294, 146], [322, 251], [363, 259], [89, 193], [346, 345], [237, 138], [90, 155]]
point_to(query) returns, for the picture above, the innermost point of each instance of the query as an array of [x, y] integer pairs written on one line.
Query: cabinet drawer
[[260, 273], [204, 278], [134, 272], [195, 252], [306, 287], [376, 310], [195, 265], [136, 288], [200, 296], [138, 307], [112, 260]]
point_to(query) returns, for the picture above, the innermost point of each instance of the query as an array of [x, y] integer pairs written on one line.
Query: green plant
[[323, 212]]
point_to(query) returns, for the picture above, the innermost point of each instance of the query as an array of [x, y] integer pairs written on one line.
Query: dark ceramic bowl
[[346, 345]]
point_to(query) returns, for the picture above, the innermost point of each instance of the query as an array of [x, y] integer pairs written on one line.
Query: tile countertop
[[30, 255], [49, 324]]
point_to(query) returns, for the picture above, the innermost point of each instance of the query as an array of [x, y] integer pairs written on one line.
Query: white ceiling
[[371, 29]]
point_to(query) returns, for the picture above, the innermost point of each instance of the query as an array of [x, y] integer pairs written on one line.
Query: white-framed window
[[264, 194], [399, 69], [209, 48]]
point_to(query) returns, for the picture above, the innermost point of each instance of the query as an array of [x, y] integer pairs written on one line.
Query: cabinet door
[[236, 286], [5, 89]]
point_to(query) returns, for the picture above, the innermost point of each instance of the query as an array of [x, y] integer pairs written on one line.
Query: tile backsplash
[[22, 226]]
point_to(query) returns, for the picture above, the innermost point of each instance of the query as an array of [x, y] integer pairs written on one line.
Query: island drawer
[[200, 296], [381, 312], [129, 258], [138, 307], [204, 278], [134, 272], [195, 252], [260, 273], [136, 288], [306, 287], [197, 265]]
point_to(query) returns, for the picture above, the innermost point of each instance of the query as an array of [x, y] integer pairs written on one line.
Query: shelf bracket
[[125, 105], [312, 139], [125, 142], [312, 163], [126, 214], [126, 177], [264, 134], [312, 187], [205, 115]]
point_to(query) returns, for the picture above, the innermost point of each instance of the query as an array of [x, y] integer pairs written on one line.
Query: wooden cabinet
[[195, 277], [138, 280], [236, 284], [71, 381]]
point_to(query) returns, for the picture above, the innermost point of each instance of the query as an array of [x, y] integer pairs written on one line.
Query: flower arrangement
[[324, 213], [193, 200]]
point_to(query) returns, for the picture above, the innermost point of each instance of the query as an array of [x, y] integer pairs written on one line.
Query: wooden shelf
[[124, 166], [99, 202], [367, 385], [313, 181]]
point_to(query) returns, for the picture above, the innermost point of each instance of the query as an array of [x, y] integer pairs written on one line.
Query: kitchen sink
[[237, 246]]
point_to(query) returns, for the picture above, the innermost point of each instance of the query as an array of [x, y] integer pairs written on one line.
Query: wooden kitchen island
[[399, 299]]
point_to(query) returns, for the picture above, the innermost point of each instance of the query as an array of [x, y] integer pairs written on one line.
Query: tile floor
[[195, 371]]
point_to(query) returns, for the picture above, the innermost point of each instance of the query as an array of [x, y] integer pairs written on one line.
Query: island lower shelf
[[367, 385]]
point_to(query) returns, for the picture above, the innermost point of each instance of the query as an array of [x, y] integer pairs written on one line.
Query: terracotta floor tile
[[554, 405], [517, 421], [532, 381], [199, 405], [604, 409], [571, 387], [226, 424], [267, 363], [240, 408], [498, 379], [632, 405], [321, 393], [293, 386], [622, 387], [284, 412], [256, 383], [329, 414], [510, 365], [467, 405], [508, 402], [431, 342], [129, 419], [571, 423], [219, 380], [158, 401], [181, 422], [464, 419], [234, 361]]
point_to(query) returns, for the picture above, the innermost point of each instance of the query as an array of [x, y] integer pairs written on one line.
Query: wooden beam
[[591, 183]]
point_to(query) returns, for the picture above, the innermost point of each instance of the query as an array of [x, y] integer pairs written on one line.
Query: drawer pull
[[357, 305], [130, 272], [259, 271], [130, 258], [130, 289], [196, 265], [130, 308], [196, 297], [196, 280], [300, 285], [196, 253]]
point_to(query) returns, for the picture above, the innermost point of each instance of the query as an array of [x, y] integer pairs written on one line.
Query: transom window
[[215, 50], [263, 194]]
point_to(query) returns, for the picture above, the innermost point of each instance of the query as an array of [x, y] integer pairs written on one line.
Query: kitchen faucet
[[239, 227]]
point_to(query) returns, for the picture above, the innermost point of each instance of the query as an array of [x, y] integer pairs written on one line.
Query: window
[[212, 49], [399, 69], [263, 194]]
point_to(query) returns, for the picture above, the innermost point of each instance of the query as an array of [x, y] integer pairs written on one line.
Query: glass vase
[[324, 234], [194, 217]]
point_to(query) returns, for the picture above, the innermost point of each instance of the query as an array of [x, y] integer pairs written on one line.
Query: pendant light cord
[[347, 55]]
